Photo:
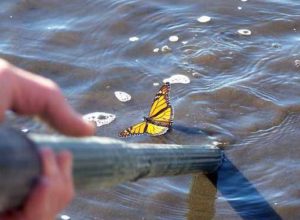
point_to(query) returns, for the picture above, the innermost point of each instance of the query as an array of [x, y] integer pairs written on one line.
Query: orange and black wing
[[155, 130], [161, 112], [144, 128], [137, 129], [160, 117]]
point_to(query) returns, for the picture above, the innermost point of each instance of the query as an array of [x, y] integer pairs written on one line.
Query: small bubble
[[156, 50], [166, 49], [155, 84], [204, 19], [25, 130], [244, 0], [99, 118], [239, 8], [245, 32], [216, 143], [173, 38], [197, 75], [184, 42], [134, 38], [65, 217], [178, 78], [122, 96]]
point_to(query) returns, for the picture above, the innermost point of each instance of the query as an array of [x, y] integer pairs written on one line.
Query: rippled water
[[244, 92]]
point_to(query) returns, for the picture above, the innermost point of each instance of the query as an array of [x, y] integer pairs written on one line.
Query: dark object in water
[[20, 167], [244, 198]]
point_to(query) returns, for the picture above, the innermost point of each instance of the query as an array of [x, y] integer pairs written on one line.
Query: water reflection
[[235, 188], [202, 196], [242, 195]]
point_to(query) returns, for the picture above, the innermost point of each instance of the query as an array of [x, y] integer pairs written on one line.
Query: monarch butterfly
[[160, 117]]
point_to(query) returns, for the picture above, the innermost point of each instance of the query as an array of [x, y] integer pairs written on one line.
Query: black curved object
[[20, 167]]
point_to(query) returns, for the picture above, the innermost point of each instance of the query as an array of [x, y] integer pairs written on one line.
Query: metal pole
[[104, 162]]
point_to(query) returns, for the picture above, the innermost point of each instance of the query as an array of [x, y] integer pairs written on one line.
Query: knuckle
[[5, 69], [52, 86], [53, 90]]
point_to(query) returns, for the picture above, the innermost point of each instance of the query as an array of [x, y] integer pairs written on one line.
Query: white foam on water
[[245, 32], [65, 217], [155, 84], [173, 38], [122, 96], [166, 49], [197, 74], [204, 19], [99, 118], [177, 78], [156, 50], [134, 38], [56, 27], [25, 130]]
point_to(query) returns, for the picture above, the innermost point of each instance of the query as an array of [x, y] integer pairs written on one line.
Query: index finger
[[35, 95]]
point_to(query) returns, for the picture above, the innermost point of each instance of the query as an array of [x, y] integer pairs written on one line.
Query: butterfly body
[[160, 117], [157, 123]]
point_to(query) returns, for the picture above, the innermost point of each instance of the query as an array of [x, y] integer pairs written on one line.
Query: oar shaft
[[101, 162], [98, 162]]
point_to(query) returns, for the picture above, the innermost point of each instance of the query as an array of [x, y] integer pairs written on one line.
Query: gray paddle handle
[[105, 162], [20, 168]]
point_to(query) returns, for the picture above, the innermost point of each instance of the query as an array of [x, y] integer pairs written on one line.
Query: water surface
[[244, 92]]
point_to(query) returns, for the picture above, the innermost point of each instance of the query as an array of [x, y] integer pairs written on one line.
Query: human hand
[[54, 191], [29, 94]]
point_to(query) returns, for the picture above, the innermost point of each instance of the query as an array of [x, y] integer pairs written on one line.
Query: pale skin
[[29, 94]]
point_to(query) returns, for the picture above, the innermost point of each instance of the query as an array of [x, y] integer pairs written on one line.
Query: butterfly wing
[[159, 119], [155, 130], [143, 128], [137, 129], [161, 112]]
